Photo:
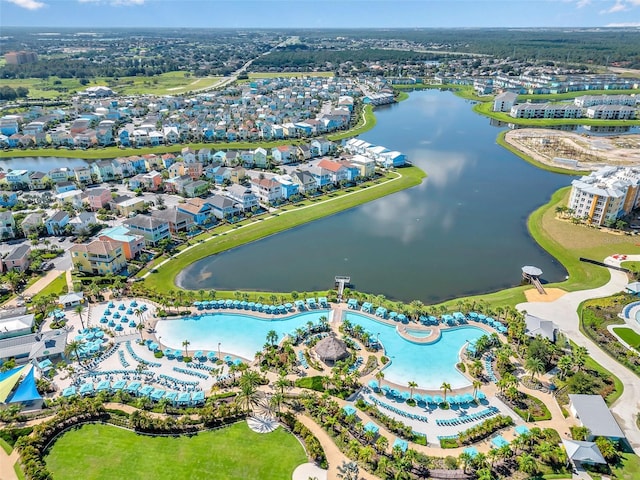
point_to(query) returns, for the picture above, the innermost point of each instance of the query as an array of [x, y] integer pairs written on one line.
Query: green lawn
[[95, 452], [312, 383], [57, 287], [163, 280], [628, 335], [290, 74]]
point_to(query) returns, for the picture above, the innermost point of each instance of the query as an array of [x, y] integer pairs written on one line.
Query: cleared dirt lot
[[590, 151]]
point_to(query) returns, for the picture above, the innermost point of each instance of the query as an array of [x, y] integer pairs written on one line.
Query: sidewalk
[[563, 312], [37, 287]]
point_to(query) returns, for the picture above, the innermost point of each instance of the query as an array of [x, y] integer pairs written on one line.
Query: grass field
[[236, 452], [163, 84], [256, 229], [628, 335]]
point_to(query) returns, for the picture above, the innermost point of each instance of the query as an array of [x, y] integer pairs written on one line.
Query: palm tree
[[138, 312], [349, 471], [379, 377], [534, 366], [276, 400], [79, 309], [272, 337], [477, 385], [445, 387], [185, 344], [282, 383], [527, 464], [565, 365], [580, 354], [412, 385], [73, 347], [140, 328]]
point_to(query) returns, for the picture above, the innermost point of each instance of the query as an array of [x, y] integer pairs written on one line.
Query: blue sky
[[319, 13]]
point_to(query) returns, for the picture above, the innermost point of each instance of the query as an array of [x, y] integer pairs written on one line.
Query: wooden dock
[[341, 282], [531, 275]]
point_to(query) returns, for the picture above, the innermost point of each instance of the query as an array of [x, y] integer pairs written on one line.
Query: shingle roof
[[595, 415]]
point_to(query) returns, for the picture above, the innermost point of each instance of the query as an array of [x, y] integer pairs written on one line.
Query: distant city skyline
[[319, 13]]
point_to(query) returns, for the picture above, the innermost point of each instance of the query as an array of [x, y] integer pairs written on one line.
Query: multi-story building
[[152, 229], [99, 257], [611, 112], [131, 243], [545, 110], [605, 194]]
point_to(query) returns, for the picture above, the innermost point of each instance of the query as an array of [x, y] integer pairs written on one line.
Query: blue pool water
[[238, 334], [426, 364], [638, 316], [418, 333]]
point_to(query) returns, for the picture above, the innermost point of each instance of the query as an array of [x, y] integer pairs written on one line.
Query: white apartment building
[[545, 110], [605, 194], [611, 112], [585, 101]]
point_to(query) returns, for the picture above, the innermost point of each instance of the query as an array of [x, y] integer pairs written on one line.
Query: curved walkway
[[563, 312]]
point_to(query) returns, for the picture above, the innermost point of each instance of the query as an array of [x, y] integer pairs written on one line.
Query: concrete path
[[309, 470], [6, 465], [563, 312]]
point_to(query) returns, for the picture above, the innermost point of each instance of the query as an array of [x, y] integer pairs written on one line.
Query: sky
[[320, 13]]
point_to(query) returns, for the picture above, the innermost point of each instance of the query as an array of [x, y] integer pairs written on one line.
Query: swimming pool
[[429, 365], [418, 333], [238, 333]]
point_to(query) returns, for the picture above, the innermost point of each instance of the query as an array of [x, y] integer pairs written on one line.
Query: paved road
[[563, 312]]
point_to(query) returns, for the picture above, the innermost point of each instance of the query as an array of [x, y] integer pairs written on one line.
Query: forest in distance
[[149, 52]]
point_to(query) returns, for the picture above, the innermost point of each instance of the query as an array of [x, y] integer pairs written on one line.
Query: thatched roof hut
[[331, 349]]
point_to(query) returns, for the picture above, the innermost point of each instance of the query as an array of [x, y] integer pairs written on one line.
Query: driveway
[[563, 312]]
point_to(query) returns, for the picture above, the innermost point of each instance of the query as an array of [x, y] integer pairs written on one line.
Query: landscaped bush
[[483, 430]]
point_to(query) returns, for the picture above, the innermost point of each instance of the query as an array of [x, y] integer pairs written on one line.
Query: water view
[[463, 231]]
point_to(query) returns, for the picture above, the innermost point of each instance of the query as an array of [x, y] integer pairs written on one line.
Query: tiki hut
[[331, 349]]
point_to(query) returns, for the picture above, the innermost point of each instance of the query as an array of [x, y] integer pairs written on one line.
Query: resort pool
[[426, 364], [237, 333], [418, 333]]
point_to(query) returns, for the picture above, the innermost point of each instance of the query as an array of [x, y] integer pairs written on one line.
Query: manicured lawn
[[312, 383], [164, 279], [57, 287], [95, 452], [628, 335], [290, 74], [5, 446]]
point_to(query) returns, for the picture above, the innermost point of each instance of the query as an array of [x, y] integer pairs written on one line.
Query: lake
[[462, 231]]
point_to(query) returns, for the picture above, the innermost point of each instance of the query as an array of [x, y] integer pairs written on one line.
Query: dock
[[532, 275], [341, 282]]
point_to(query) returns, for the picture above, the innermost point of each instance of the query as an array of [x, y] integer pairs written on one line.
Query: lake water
[[462, 231]]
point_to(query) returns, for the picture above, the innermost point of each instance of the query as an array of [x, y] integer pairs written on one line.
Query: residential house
[[289, 188], [83, 175], [194, 170], [367, 166], [244, 196], [39, 181], [231, 158], [260, 158], [199, 210], [337, 172], [150, 182], [104, 170], [32, 223], [127, 206], [322, 176], [303, 153], [83, 223], [63, 187], [268, 191], [177, 184], [178, 221], [17, 179], [132, 244], [237, 174], [171, 135], [7, 225], [167, 159], [305, 181], [176, 170], [195, 189], [8, 199], [98, 257], [205, 155], [188, 155], [222, 207], [98, 198], [151, 228], [59, 175], [18, 259], [321, 146], [56, 224], [246, 157], [353, 170], [72, 197], [283, 155], [221, 174]]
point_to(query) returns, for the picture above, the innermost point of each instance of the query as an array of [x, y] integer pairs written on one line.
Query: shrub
[[158, 354]]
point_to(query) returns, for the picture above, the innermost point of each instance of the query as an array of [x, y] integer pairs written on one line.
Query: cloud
[[622, 6], [582, 3], [28, 4]]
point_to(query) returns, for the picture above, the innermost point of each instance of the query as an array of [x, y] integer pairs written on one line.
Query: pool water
[[429, 365], [238, 334], [418, 333]]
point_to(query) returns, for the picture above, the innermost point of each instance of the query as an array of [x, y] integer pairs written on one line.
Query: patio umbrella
[[438, 399], [427, 398], [111, 305], [480, 396], [133, 304], [211, 355], [228, 359], [103, 320]]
